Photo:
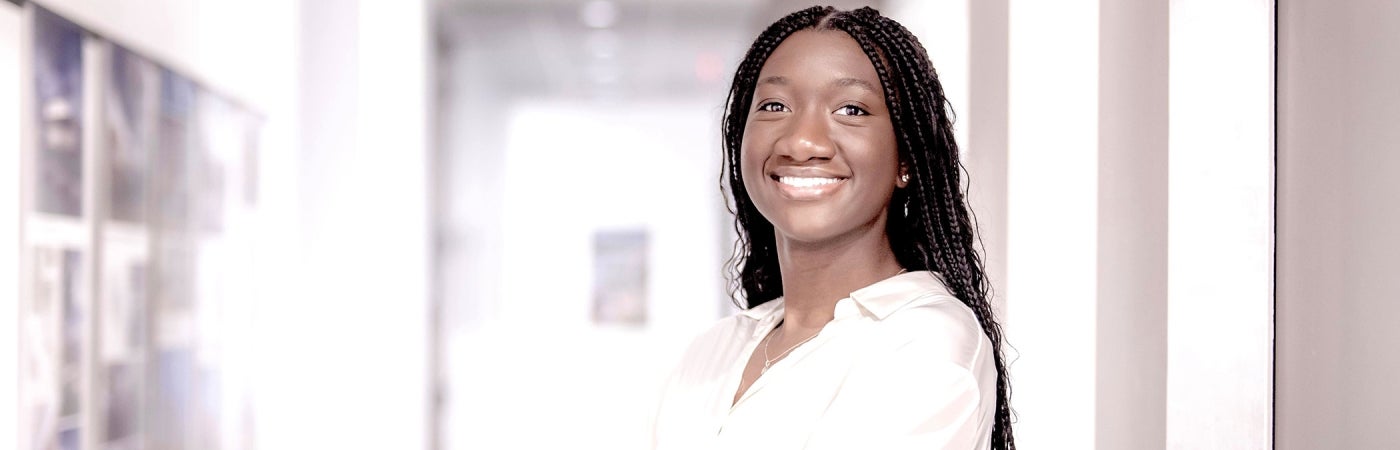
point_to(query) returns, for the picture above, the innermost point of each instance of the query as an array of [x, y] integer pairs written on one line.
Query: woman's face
[[819, 155]]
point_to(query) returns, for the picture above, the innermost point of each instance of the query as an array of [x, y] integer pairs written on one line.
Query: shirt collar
[[897, 292], [768, 309], [880, 299]]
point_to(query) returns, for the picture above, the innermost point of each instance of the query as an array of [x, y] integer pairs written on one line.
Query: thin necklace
[[768, 362]]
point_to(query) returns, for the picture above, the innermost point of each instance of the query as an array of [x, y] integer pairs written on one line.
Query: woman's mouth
[[807, 188], [806, 182]]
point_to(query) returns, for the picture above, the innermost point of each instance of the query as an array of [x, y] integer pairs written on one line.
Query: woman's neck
[[815, 277]]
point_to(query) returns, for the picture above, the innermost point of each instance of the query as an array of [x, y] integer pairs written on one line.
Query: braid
[[936, 234]]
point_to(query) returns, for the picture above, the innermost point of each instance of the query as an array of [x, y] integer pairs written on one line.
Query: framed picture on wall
[[620, 277], [58, 108]]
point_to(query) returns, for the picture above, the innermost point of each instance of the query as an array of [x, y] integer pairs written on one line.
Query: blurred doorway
[[580, 231]]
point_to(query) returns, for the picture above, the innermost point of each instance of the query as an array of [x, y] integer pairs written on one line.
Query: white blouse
[[904, 364]]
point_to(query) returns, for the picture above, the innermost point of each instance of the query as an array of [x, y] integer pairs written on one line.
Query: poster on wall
[[58, 106], [620, 277], [51, 327], [128, 118]]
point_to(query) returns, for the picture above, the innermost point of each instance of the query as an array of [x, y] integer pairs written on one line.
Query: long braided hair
[[930, 227]]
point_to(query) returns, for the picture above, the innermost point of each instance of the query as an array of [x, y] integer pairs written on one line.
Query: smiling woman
[[867, 323], [817, 94]]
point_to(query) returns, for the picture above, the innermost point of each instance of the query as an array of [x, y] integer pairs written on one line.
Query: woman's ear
[[902, 180]]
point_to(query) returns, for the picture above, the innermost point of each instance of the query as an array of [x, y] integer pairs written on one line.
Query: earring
[[906, 207], [904, 177]]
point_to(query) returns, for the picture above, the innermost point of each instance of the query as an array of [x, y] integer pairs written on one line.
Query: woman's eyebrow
[[774, 79], [857, 82]]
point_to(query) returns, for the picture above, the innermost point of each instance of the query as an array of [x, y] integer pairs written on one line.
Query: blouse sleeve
[[911, 397]]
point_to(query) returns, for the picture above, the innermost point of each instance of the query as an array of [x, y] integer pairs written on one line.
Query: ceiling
[[599, 48]]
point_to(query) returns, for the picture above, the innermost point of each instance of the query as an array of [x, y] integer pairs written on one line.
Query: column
[[1052, 218], [1220, 225]]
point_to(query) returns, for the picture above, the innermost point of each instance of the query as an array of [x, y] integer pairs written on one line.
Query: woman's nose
[[808, 137]]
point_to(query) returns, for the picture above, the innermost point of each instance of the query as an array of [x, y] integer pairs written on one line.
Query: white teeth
[[805, 182]]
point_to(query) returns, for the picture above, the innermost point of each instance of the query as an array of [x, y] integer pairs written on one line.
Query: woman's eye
[[851, 110], [772, 107]]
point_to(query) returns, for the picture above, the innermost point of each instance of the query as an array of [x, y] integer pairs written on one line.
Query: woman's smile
[[807, 188]]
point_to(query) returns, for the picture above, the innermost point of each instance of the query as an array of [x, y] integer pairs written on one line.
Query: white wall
[[640, 165], [1338, 156]]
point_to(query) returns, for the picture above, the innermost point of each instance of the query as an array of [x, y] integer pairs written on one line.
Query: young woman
[[867, 324]]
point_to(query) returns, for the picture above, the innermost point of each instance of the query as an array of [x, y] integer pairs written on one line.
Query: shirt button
[[845, 308]]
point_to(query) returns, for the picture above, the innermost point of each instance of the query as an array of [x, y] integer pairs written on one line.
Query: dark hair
[[931, 230]]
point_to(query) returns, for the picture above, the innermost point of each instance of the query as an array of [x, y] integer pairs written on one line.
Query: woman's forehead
[[826, 57]]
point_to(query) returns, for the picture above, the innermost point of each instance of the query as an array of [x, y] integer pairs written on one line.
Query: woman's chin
[[810, 233]]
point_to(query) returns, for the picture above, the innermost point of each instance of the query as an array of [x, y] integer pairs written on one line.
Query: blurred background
[[460, 224]]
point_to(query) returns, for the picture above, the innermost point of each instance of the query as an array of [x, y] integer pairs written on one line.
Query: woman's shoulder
[[935, 323]]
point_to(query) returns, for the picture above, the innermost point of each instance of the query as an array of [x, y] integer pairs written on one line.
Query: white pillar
[[1220, 227], [986, 126], [361, 379], [392, 125], [1052, 220], [1132, 233]]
